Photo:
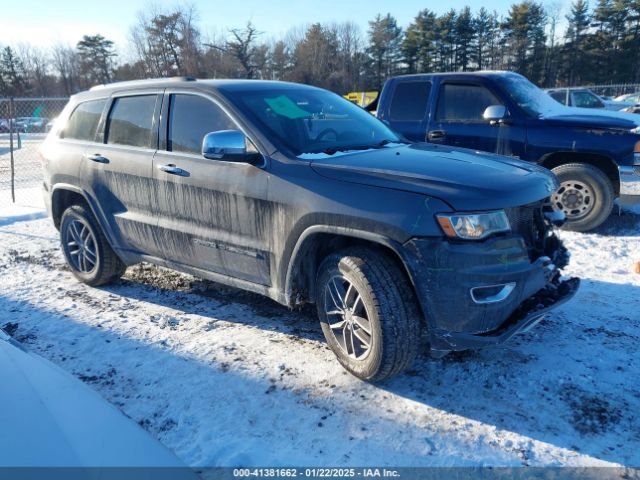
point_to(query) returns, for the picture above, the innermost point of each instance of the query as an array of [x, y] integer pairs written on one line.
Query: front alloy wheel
[[348, 317], [368, 312]]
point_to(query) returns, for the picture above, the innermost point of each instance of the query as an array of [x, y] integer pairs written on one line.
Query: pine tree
[[384, 47], [484, 30], [96, 55], [464, 36], [578, 20], [525, 34], [418, 46], [13, 78]]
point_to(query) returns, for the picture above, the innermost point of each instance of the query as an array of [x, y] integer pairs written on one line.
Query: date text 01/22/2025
[[315, 472]]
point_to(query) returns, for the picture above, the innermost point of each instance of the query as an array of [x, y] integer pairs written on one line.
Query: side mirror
[[228, 145], [495, 113]]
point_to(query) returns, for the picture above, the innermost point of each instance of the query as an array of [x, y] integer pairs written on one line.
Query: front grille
[[527, 221]]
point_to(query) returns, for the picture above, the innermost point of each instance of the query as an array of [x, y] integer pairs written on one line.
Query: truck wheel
[[86, 249], [585, 196], [368, 313]]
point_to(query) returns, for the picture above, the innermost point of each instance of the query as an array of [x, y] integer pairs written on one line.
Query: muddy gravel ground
[[226, 377]]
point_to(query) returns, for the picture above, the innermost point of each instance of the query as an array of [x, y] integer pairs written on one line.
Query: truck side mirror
[[495, 113]]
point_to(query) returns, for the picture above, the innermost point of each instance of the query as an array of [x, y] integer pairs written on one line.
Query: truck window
[[409, 102], [464, 103], [131, 121], [83, 123], [585, 99], [191, 117], [560, 96]]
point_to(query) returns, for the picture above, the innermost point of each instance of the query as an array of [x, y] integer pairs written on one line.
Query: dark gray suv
[[295, 193]]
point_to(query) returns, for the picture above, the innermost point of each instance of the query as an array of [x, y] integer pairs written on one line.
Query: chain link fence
[[615, 90], [24, 123]]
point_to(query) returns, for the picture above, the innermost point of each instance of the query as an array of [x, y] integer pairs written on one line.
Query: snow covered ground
[[224, 377]]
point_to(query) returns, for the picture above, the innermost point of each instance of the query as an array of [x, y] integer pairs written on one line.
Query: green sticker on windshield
[[286, 107]]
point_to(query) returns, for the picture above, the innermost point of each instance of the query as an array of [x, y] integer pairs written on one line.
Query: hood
[[593, 118], [465, 179]]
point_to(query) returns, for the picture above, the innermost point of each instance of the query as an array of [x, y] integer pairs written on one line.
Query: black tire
[[107, 266], [389, 303], [599, 188]]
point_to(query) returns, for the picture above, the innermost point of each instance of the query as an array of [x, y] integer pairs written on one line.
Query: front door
[[211, 213], [459, 122]]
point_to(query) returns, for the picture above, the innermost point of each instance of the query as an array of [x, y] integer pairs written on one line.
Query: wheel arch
[[599, 161], [64, 195], [316, 243]]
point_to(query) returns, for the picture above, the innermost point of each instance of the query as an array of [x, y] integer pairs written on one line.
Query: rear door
[[408, 109], [458, 120], [76, 133], [211, 213], [119, 170]]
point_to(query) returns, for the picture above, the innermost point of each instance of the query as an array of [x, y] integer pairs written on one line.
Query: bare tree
[[37, 66], [280, 60], [242, 47], [351, 56], [167, 43], [66, 64]]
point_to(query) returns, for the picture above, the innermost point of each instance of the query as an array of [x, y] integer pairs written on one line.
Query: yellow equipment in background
[[362, 99]]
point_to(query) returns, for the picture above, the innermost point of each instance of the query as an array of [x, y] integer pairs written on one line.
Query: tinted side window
[[586, 100], [464, 103], [559, 96], [83, 122], [131, 121], [410, 101], [190, 118]]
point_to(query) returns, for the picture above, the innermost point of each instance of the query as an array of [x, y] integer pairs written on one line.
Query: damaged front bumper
[[530, 313], [478, 294]]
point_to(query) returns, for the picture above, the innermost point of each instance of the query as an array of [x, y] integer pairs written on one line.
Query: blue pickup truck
[[594, 154]]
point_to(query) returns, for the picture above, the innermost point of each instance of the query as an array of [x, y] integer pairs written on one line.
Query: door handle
[[96, 157], [173, 170], [436, 134]]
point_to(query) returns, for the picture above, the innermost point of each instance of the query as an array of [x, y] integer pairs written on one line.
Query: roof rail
[[143, 82]]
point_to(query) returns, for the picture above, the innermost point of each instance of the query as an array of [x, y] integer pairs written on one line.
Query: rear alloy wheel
[[585, 196], [81, 245], [368, 312], [86, 249]]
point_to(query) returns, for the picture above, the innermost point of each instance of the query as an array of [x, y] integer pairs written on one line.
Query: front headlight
[[473, 226], [636, 130]]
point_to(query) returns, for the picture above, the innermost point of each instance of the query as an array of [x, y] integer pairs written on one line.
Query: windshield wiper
[[332, 150]]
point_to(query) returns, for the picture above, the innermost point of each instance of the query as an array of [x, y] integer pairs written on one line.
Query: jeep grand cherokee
[[295, 193]]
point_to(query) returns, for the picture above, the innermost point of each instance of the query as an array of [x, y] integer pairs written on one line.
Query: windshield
[[306, 120], [530, 98]]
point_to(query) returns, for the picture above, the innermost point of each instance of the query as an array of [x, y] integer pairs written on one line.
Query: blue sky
[[43, 22]]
